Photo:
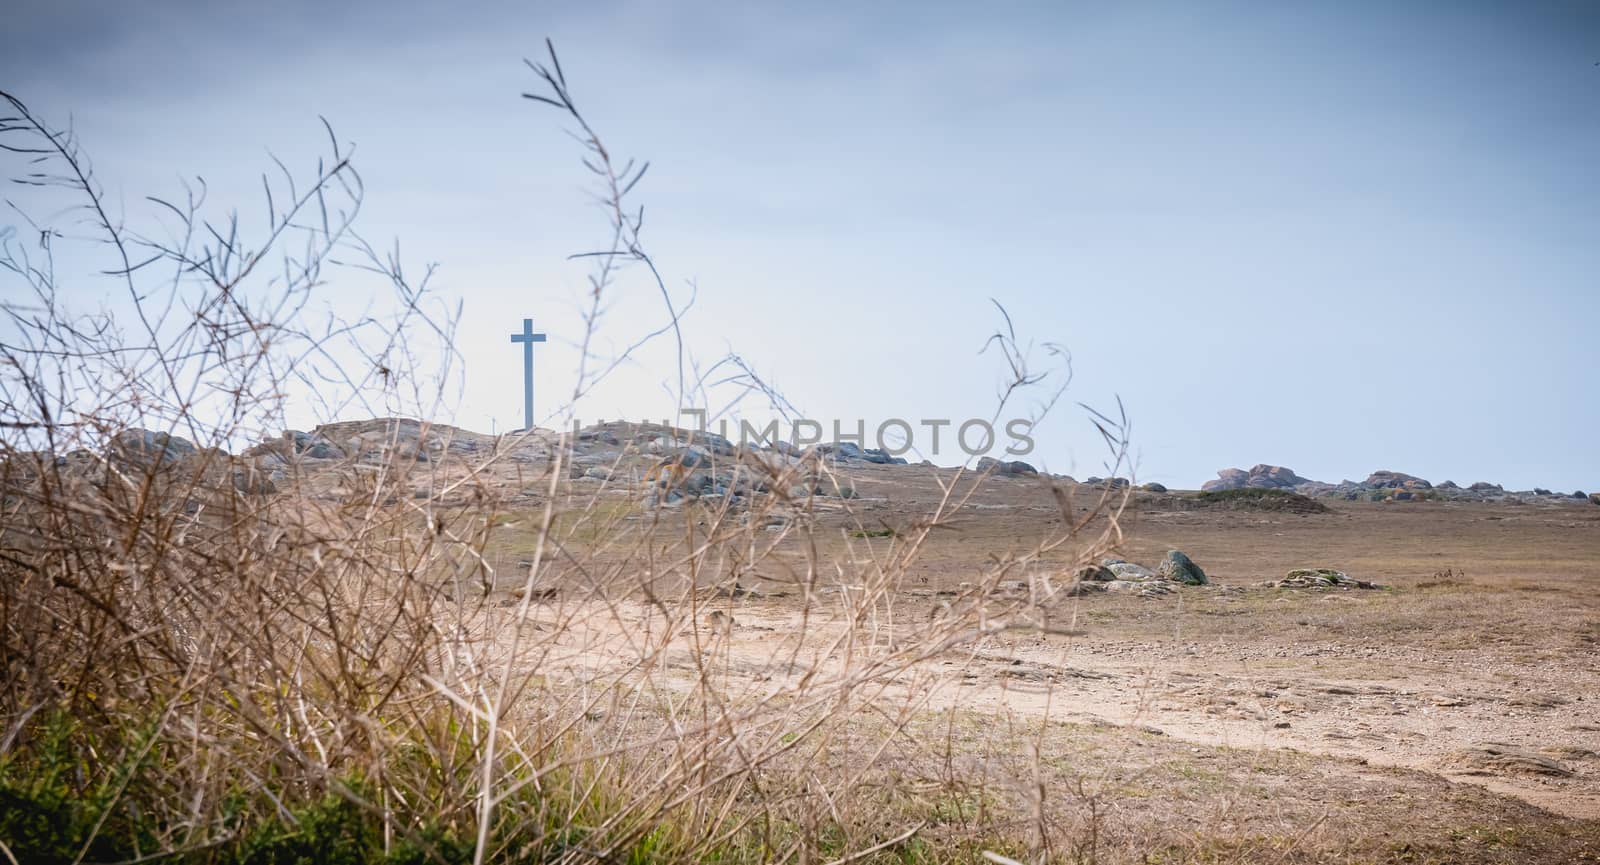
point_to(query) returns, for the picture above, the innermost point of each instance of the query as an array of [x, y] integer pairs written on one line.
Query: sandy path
[[1412, 708]]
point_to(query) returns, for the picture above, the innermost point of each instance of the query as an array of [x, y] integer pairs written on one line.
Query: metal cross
[[527, 338]]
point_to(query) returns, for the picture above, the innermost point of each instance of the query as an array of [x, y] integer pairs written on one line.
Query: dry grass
[[206, 664], [438, 653]]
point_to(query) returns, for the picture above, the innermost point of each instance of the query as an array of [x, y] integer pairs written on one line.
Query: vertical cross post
[[527, 337]]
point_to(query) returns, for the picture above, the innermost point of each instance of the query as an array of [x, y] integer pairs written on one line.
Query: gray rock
[[1263, 476], [1387, 480], [694, 456], [841, 451], [688, 458], [1486, 487], [1153, 487], [1320, 578], [1227, 479], [598, 435], [882, 457], [704, 441], [1128, 570], [1260, 476], [145, 447], [1179, 568], [1007, 468], [312, 446], [1594, 498], [1498, 758], [717, 444], [599, 473]]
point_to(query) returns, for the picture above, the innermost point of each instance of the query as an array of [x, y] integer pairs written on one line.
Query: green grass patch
[[69, 794], [873, 533], [1254, 498], [1245, 494]]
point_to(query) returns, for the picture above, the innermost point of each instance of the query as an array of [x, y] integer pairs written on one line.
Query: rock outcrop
[[1122, 570], [1387, 480], [852, 452], [1260, 476], [1179, 568], [1227, 479], [1380, 486], [1319, 578], [1011, 468], [1116, 575], [1498, 758], [144, 447], [622, 453]]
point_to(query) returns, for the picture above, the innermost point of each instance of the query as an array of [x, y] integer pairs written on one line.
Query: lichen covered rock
[[1179, 568]]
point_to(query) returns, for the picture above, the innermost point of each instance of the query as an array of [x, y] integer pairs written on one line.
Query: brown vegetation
[[427, 645]]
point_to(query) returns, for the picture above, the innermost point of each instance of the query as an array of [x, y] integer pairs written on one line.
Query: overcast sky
[[1338, 237]]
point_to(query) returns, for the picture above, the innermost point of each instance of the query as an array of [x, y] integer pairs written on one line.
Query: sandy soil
[[1476, 664]]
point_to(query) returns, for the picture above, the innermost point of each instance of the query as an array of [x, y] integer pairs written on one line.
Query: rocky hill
[[1383, 485], [680, 464]]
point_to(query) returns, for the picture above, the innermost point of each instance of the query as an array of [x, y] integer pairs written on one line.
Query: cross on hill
[[527, 337]]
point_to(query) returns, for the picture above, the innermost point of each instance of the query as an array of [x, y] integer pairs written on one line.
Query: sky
[[1337, 237]]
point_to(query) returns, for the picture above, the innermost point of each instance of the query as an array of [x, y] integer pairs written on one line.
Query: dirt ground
[[1488, 631], [1466, 688]]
